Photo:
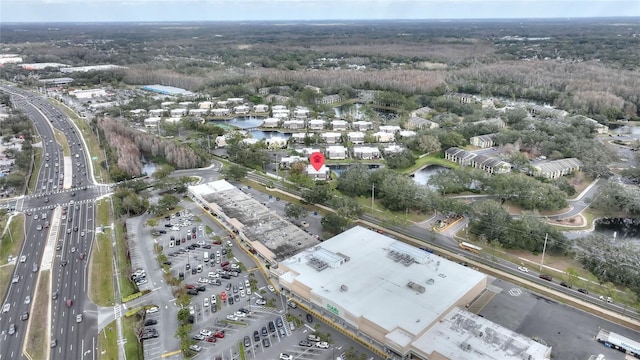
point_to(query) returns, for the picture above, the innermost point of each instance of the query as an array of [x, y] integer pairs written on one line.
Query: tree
[[427, 143], [183, 316], [295, 211], [400, 160], [346, 207], [318, 194], [355, 181], [163, 171], [334, 224], [168, 202], [235, 172]]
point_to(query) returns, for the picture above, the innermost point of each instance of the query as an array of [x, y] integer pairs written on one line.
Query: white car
[[284, 356], [322, 345], [240, 314], [205, 332], [23, 258], [607, 299], [203, 280], [201, 243], [248, 291], [206, 302], [229, 243], [15, 279], [213, 275], [232, 318], [195, 348], [213, 299], [172, 244], [242, 293], [152, 310], [79, 318], [73, 249], [271, 288], [261, 302], [27, 300], [523, 269], [6, 307]]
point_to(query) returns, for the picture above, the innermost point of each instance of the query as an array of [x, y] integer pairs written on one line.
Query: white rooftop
[[464, 335], [375, 274]]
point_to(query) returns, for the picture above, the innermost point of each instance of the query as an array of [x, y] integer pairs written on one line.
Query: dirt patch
[[577, 221]]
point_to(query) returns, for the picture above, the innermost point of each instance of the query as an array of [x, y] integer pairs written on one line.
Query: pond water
[[259, 134], [340, 169], [242, 122], [630, 129], [628, 229], [422, 176]]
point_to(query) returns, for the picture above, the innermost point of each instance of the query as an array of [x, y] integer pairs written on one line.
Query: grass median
[[37, 160], [108, 342], [124, 265], [37, 341], [101, 266], [91, 140], [62, 140], [133, 349]]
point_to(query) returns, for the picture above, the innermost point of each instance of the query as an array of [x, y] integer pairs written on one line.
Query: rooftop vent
[[417, 287], [344, 288]]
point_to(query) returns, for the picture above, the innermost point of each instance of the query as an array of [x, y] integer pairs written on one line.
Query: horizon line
[[293, 21]]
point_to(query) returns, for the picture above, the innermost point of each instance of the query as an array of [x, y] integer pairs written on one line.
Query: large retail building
[[407, 300]]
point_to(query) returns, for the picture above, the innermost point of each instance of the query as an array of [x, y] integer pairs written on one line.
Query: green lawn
[[126, 286], [91, 140], [108, 342], [62, 140], [37, 159], [12, 239], [36, 343], [101, 280], [133, 349], [431, 159], [103, 209]]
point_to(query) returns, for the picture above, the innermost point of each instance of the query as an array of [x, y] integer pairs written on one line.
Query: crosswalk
[[65, 191], [87, 201], [117, 311]]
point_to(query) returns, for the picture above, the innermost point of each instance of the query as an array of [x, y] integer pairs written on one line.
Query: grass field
[[62, 140], [37, 160], [91, 140], [12, 239], [431, 159], [101, 280], [132, 348], [108, 342], [101, 269], [126, 286], [37, 341]]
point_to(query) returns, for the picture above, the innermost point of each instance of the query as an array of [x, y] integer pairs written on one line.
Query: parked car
[[322, 344], [309, 318], [149, 322], [305, 343], [265, 342], [247, 342], [198, 337], [256, 336], [195, 348]]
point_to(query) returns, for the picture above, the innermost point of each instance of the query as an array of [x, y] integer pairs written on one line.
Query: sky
[[304, 10]]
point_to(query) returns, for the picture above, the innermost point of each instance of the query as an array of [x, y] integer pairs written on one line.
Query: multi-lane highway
[[59, 229]]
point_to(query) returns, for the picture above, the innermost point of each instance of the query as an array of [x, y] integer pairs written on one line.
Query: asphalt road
[[74, 340]]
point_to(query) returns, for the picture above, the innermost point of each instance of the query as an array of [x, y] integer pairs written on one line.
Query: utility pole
[[373, 189], [544, 249]]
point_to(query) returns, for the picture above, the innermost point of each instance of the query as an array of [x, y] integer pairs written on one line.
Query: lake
[[422, 176]]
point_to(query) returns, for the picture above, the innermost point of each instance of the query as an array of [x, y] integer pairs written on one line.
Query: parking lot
[[230, 293]]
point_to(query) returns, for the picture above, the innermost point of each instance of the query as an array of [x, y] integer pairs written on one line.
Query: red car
[[69, 303], [223, 296], [224, 264], [219, 334], [217, 242], [211, 339], [189, 286]]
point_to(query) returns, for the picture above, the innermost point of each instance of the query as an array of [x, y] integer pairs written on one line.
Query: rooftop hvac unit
[[344, 288]]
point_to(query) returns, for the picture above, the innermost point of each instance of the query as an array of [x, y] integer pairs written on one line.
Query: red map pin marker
[[317, 160]]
